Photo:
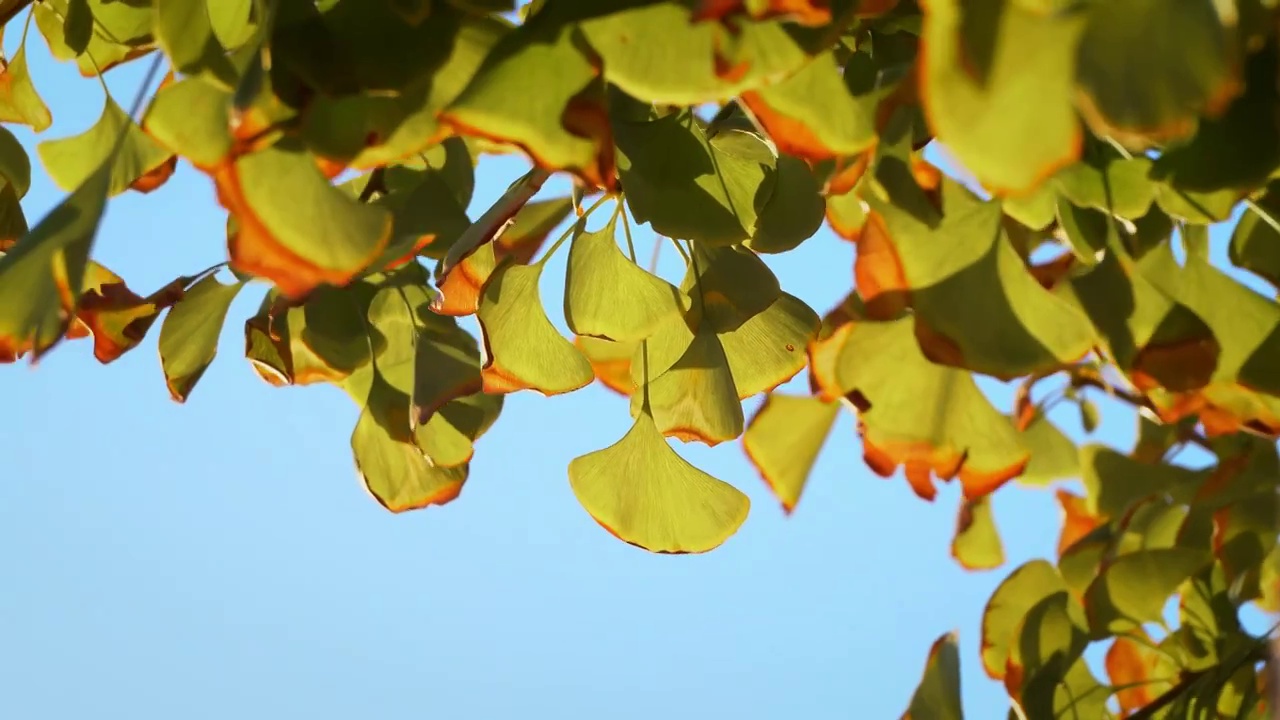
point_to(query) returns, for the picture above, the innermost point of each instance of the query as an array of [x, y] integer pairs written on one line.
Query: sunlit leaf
[[610, 361], [121, 31], [70, 161], [1255, 241], [997, 89], [783, 440], [189, 334], [1016, 595], [396, 472], [694, 397], [794, 212], [117, 317], [191, 118], [185, 32], [19, 101], [938, 694], [522, 349], [1053, 455], [1139, 669], [1133, 588], [641, 491], [608, 296], [976, 545], [15, 166]]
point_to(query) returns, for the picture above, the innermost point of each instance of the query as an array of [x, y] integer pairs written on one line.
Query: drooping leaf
[[320, 236], [610, 361], [690, 187], [1046, 674], [114, 315], [1053, 455], [562, 126], [446, 367], [783, 440], [997, 89], [1114, 481], [70, 161], [396, 472], [19, 101], [191, 117], [121, 31], [42, 275], [977, 306], [938, 694], [1167, 87], [1133, 588], [607, 295], [522, 349], [794, 212], [189, 334], [15, 166], [1024, 588], [645, 494], [976, 544], [184, 30]]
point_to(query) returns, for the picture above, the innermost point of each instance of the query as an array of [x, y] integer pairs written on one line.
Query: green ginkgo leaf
[[693, 398], [121, 31], [608, 296], [642, 492], [783, 440], [71, 160], [15, 165], [690, 187], [42, 275], [610, 361], [1255, 241], [794, 212], [233, 21], [523, 350], [1053, 455], [733, 285], [395, 470], [320, 236], [768, 349], [1133, 589], [189, 334], [19, 101], [998, 85], [563, 125], [446, 367], [1022, 590], [938, 694], [184, 31], [977, 306], [976, 544], [191, 117]]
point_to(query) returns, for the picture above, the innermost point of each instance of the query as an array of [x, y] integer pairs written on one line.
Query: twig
[[1140, 401], [1148, 711]]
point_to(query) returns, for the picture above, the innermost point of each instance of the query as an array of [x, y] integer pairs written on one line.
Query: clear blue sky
[[220, 559]]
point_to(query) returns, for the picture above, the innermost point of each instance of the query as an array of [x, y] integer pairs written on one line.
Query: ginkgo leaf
[[978, 306], [1106, 181], [19, 101], [114, 315], [930, 419], [426, 217], [446, 367], [1053, 455], [783, 440], [396, 472], [1139, 669], [608, 296], [693, 398], [70, 161], [997, 89], [1113, 481], [1255, 242], [121, 31], [610, 361], [976, 544], [42, 275], [321, 236], [768, 349], [191, 118], [794, 212], [564, 125], [657, 54], [812, 114], [522, 349], [1160, 99], [642, 492], [15, 166], [1046, 675], [690, 187], [938, 694], [733, 285], [189, 334], [184, 31], [1023, 589], [1133, 588]]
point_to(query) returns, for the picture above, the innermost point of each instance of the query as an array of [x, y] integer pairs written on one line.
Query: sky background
[[220, 559]]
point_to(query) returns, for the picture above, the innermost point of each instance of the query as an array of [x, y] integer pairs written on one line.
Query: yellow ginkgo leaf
[[695, 398], [395, 470], [640, 490], [522, 349], [784, 439], [608, 296]]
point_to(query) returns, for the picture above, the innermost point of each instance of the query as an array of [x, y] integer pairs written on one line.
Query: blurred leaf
[[976, 545], [1053, 455], [185, 32], [645, 494], [690, 187], [1140, 669], [19, 101], [15, 166], [997, 85], [1013, 598], [1255, 241], [783, 440], [1114, 481], [114, 315], [189, 334], [1050, 640], [1088, 415], [523, 350], [938, 694], [610, 361], [1133, 588], [191, 118], [70, 161]]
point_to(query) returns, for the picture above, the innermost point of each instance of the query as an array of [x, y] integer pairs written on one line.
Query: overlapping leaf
[[938, 695], [19, 101], [115, 140], [189, 333]]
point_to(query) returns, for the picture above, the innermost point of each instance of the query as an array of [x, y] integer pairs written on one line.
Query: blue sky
[[220, 559]]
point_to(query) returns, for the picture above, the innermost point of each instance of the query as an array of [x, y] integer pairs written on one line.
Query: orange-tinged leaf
[[642, 492], [522, 349], [610, 361], [321, 236], [783, 440], [1142, 672], [396, 472], [1022, 590], [189, 334], [1077, 519], [976, 544], [115, 316], [155, 177], [804, 12]]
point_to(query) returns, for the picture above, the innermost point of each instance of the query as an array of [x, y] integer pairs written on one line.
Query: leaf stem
[[626, 230], [1080, 380], [1255, 654], [569, 230]]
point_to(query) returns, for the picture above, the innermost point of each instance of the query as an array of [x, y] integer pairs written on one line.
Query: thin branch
[[1140, 401], [1256, 654]]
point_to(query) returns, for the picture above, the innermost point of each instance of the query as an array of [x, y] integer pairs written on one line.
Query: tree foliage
[[1101, 139]]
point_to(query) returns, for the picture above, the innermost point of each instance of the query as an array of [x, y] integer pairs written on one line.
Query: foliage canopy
[[1102, 139]]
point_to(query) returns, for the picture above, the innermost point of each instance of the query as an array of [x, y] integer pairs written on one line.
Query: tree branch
[[10, 8], [1148, 711], [1140, 401]]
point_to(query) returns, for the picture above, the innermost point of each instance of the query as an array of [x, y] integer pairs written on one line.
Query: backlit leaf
[[185, 32], [1255, 242], [70, 161], [1053, 455], [1133, 588], [189, 334], [976, 545], [320, 236], [694, 397], [794, 212], [608, 296], [1016, 595], [15, 166], [522, 349], [114, 315], [191, 117], [783, 440], [997, 89], [641, 491], [938, 694], [19, 101], [610, 361], [396, 472]]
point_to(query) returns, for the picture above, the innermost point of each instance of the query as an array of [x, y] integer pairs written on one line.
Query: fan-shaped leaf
[[794, 212], [783, 440], [938, 695], [70, 161], [19, 101], [1133, 588], [191, 118], [522, 348], [693, 398], [976, 545], [1053, 455], [642, 492], [1016, 595], [396, 472], [114, 315], [189, 334], [184, 31], [610, 361]]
